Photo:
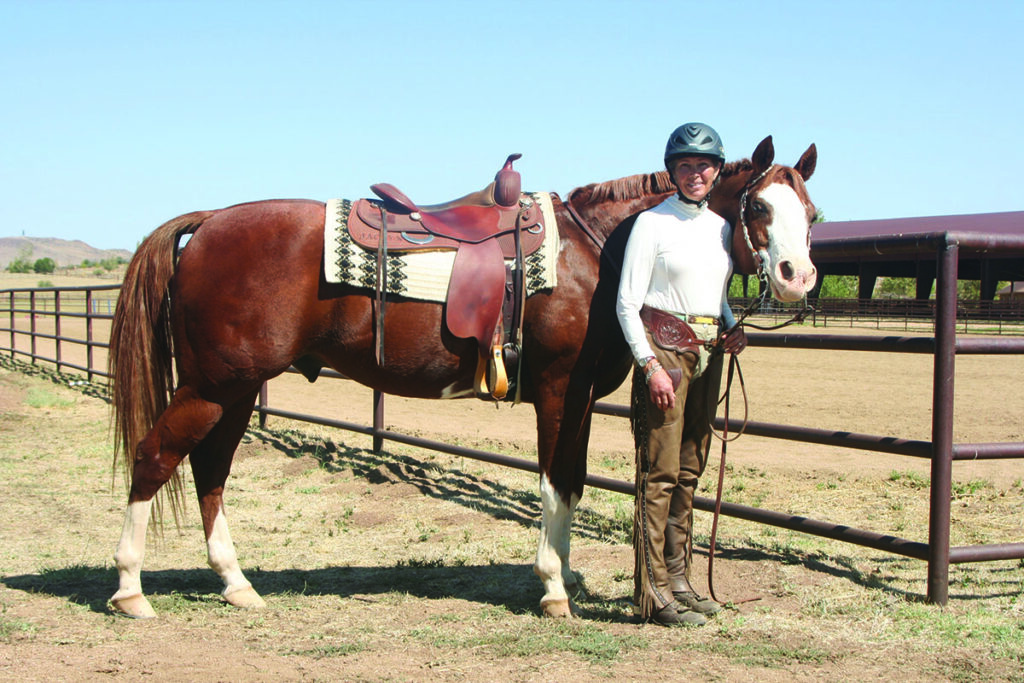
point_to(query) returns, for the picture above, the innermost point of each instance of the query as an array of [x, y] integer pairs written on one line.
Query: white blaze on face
[[788, 259]]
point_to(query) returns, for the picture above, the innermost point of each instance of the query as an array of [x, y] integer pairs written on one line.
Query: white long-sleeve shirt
[[677, 259]]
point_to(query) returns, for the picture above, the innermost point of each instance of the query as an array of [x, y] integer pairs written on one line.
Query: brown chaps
[[671, 456]]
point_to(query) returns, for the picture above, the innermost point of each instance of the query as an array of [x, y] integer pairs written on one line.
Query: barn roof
[[1005, 223], [991, 245]]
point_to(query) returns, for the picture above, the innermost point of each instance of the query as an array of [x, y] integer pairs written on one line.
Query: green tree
[[838, 287], [968, 289], [21, 264], [44, 266], [896, 287]]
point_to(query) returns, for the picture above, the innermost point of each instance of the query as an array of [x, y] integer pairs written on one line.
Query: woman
[[672, 307]]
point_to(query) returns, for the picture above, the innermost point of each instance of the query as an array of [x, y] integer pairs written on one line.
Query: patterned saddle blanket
[[425, 274]]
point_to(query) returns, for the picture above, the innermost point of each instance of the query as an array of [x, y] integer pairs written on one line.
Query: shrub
[[44, 265]]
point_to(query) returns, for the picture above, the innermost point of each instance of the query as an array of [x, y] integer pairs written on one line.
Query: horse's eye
[[759, 206]]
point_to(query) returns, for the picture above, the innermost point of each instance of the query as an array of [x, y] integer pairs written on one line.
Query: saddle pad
[[423, 275]]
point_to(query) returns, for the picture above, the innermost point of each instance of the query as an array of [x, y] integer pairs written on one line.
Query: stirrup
[[493, 367], [499, 378]]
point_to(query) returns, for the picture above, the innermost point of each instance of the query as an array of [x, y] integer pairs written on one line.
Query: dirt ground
[[413, 565]]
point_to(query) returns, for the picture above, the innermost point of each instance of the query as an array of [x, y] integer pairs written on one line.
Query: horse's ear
[[764, 155], [805, 167]]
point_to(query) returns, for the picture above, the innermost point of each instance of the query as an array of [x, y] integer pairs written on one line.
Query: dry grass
[[409, 565]]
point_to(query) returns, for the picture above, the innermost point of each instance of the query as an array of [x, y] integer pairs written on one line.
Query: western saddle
[[485, 297]]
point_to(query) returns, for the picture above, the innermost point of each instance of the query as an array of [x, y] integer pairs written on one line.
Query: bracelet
[[655, 366]]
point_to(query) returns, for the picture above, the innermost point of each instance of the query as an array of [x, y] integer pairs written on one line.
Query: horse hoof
[[559, 608], [134, 606], [245, 598]]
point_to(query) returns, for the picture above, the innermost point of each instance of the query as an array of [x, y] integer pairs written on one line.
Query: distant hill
[[63, 252]]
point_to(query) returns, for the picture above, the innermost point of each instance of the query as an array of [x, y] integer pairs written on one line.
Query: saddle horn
[[508, 184]]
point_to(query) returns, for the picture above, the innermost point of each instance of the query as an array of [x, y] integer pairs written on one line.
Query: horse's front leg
[[563, 428], [552, 564]]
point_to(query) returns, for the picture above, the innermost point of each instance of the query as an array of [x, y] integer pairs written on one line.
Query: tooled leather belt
[[671, 332]]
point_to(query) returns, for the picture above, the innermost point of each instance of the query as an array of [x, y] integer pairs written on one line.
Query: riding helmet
[[694, 139]]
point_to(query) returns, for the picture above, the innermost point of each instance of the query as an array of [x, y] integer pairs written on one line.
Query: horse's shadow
[[492, 498], [510, 586]]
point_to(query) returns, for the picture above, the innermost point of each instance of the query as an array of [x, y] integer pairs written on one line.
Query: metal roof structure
[[990, 248]]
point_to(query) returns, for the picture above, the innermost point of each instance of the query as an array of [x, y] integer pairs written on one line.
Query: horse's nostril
[[787, 271]]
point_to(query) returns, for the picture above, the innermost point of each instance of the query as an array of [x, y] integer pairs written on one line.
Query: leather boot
[[691, 601], [675, 614]]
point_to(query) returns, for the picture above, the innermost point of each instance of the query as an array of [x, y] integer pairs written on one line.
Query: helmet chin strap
[[702, 203], [699, 203]]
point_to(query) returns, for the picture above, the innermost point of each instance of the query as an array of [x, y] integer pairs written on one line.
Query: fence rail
[[972, 316], [35, 318], [41, 313]]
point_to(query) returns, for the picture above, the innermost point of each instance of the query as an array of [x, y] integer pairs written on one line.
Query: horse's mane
[[731, 168], [647, 184], [630, 187]]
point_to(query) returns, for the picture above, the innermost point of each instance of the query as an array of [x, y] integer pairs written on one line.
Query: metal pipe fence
[[29, 307], [36, 321]]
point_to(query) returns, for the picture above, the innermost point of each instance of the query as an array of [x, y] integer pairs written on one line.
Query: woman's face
[[694, 175]]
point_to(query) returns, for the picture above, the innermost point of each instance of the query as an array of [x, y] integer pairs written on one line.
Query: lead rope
[[735, 369], [721, 482]]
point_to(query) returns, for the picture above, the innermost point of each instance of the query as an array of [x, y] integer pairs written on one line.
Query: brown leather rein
[[589, 232]]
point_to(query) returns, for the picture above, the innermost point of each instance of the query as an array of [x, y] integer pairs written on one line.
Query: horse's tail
[[140, 354]]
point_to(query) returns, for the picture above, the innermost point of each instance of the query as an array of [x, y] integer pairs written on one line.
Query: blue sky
[[117, 116]]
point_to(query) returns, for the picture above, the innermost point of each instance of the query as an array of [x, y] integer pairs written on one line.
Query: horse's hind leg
[[187, 420], [211, 464]]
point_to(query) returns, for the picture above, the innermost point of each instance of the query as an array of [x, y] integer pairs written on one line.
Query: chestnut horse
[[246, 298]]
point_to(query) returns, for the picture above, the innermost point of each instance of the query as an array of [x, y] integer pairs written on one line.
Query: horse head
[[772, 219]]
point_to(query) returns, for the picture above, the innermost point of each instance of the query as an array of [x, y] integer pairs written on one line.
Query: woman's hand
[[663, 395], [734, 341]]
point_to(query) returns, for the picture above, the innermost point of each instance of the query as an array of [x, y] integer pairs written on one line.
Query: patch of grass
[[11, 628], [41, 398], [614, 528], [963, 489], [533, 638], [327, 650], [187, 603], [910, 479], [761, 654], [421, 563], [424, 532], [977, 628]]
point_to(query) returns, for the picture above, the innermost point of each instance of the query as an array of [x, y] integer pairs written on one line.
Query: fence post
[[378, 421], [942, 423], [56, 328], [263, 405], [32, 322], [11, 299], [88, 334]]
